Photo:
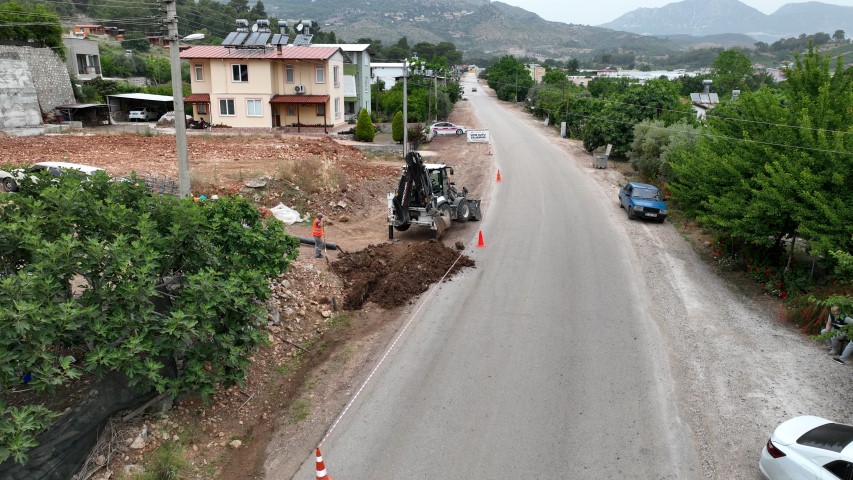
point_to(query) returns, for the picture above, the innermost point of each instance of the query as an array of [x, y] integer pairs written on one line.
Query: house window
[[319, 74], [202, 109], [291, 110], [240, 72], [321, 109], [199, 72], [337, 107], [288, 73], [254, 108], [226, 107], [87, 64], [336, 71]]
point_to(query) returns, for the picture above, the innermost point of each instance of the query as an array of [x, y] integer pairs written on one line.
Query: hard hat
[[320, 214]]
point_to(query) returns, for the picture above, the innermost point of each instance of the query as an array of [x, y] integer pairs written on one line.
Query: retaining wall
[[46, 73]]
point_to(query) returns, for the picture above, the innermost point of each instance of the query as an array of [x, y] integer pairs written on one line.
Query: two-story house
[[267, 87]]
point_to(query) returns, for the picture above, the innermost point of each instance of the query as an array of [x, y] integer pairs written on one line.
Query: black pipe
[[310, 241]]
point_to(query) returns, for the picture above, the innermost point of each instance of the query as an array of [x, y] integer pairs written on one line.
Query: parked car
[[642, 200], [446, 128], [808, 447], [473, 89], [145, 114], [10, 180]]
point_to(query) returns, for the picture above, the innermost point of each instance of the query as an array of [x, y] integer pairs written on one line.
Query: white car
[[808, 447], [447, 128], [144, 114], [9, 180]]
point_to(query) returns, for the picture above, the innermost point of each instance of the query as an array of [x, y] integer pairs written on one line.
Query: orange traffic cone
[[321, 467], [499, 175], [480, 242]]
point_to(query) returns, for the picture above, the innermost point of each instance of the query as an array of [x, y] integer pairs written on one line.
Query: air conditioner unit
[[300, 89]]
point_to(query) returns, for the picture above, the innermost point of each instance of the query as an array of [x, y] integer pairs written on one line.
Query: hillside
[[478, 27], [710, 17]]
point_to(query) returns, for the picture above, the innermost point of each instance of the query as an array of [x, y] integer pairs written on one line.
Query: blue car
[[643, 201]]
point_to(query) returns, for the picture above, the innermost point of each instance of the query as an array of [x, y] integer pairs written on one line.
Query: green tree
[[161, 282], [618, 113], [364, 131], [838, 36], [731, 70], [397, 127], [18, 25], [654, 140], [777, 164], [509, 78]]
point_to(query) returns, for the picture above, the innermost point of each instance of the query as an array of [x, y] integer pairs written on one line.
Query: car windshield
[[645, 193]]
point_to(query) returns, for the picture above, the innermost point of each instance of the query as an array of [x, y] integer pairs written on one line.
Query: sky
[[602, 11]]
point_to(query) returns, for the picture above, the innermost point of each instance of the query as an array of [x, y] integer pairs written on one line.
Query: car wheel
[[463, 211], [10, 185], [459, 132], [403, 227], [630, 213]]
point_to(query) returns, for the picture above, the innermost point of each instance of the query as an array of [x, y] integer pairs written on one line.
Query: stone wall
[[47, 73]]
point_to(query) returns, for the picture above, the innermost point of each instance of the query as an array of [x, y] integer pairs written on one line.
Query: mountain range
[[710, 17], [494, 28]]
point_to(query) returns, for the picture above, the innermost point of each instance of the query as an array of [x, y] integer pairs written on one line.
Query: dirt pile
[[390, 274]]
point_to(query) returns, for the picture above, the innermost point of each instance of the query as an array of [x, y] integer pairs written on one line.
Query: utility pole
[[405, 108], [178, 98]]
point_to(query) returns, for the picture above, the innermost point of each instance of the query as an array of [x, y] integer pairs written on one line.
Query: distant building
[[83, 58]]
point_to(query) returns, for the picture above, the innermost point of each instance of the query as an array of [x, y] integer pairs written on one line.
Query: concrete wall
[[19, 105], [46, 72]]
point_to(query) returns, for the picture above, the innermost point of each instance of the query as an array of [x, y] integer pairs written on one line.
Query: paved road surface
[[539, 363]]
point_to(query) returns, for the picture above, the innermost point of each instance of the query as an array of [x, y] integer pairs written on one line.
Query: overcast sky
[[597, 12]]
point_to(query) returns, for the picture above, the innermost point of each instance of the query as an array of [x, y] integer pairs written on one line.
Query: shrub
[[364, 128], [397, 127]]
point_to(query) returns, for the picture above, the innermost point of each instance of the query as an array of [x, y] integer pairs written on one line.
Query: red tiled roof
[[286, 53], [197, 98], [303, 99]]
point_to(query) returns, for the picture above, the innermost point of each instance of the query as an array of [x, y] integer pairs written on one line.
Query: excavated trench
[[391, 274]]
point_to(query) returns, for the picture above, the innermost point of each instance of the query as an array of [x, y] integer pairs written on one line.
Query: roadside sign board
[[478, 136]]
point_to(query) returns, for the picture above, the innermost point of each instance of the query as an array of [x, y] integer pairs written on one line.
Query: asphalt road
[[541, 362]]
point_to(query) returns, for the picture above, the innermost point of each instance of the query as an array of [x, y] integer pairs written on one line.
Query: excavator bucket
[[441, 223], [474, 208]]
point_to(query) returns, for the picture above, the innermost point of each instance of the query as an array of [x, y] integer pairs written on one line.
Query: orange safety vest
[[318, 227]]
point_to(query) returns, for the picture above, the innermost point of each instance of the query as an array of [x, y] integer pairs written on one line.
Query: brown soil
[[316, 353], [391, 274]]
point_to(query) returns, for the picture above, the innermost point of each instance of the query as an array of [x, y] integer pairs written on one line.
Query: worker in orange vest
[[319, 235]]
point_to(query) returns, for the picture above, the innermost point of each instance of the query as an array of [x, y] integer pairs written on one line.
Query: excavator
[[425, 196]]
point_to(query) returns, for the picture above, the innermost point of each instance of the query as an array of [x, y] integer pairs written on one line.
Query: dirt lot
[[328, 318]]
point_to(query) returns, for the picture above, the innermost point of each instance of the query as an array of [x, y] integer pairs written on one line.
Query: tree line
[[769, 172]]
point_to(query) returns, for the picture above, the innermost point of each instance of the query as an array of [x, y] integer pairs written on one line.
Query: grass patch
[[166, 463], [298, 411], [310, 173], [339, 321]]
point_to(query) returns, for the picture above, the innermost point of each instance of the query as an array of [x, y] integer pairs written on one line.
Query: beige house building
[[267, 87]]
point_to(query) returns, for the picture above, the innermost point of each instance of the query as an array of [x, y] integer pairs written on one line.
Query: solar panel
[[263, 38], [250, 42], [229, 40], [715, 98], [694, 97], [240, 39], [302, 39], [279, 39]]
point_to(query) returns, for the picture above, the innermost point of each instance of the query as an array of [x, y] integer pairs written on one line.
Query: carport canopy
[[127, 101]]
